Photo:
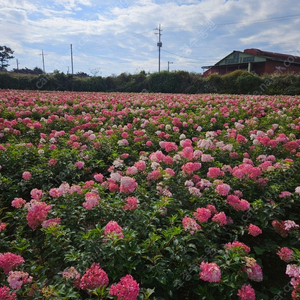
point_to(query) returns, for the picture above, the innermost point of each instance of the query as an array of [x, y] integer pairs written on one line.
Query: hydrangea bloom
[[9, 260], [220, 218], [113, 230], [91, 200], [51, 222], [93, 278], [253, 270], [254, 230], [237, 246], [5, 293], [26, 175], [128, 184], [202, 214], [246, 292], [73, 274], [132, 203], [285, 254], [37, 213], [210, 272], [16, 279], [190, 225], [126, 289], [223, 189], [18, 202]]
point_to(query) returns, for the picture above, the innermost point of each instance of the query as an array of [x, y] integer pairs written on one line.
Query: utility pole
[[72, 60], [159, 44], [17, 64], [169, 62], [43, 60]]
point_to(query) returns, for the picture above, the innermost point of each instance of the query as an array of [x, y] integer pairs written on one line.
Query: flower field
[[149, 196]]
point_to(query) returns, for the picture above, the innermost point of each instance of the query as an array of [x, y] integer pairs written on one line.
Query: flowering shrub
[[174, 196]]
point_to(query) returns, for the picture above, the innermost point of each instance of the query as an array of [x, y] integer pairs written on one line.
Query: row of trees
[[237, 82]]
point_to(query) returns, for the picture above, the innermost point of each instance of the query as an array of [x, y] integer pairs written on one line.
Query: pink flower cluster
[[246, 292], [18, 202], [210, 272], [91, 200], [237, 204], [37, 213], [128, 184], [131, 203], [6, 294], [93, 278], [190, 225], [202, 214], [286, 254], [238, 247], [126, 289], [254, 230], [113, 230], [253, 270], [17, 278], [9, 261]]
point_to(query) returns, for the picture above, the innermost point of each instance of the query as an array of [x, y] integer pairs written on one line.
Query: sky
[[120, 36]]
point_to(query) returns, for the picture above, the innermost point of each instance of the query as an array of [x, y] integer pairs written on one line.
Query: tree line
[[237, 82]]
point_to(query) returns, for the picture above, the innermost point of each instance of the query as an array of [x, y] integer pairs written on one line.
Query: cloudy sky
[[116, 36]]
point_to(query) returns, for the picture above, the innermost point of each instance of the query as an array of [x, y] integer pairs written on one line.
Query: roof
[[259, 55]]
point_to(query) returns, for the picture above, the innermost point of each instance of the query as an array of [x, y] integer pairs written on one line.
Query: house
[[255, 61]]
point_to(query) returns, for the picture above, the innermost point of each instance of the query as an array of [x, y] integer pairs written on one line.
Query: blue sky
[[112, 37]]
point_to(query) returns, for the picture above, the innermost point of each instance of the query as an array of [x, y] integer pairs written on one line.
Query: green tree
[[5, 55]]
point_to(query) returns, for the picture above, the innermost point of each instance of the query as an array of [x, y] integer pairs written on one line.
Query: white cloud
[[119, 35]]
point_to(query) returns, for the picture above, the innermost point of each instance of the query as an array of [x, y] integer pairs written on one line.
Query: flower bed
[[149, 196]]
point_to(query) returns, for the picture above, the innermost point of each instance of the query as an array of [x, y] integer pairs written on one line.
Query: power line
[[244, 22]]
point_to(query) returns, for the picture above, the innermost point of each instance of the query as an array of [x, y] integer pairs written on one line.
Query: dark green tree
[[5, 54]]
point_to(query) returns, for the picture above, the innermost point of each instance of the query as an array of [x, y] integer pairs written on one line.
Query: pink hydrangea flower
[[190, 167], [93, 278], [220, 218], [113, 230], [223, 189], [140, 165], [202, 214], [6, 294], [288, 224], [37, 213], [131, 204], [16, 279], [128, 184], [79, 164], [9, 260], [214, 172], [253, 270], [91, 200], [26, 175], [98, 177], [190, 225], [210, 272], [73, 274], [237, 246], [18, 202], [246, 292], [51, 222], [293, 270], [55, 192], [2, 226], [254, 230], [126, 289], [36, 194], [285, 254]]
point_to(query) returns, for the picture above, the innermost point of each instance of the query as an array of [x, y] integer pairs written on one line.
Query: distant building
[[255, 61]]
